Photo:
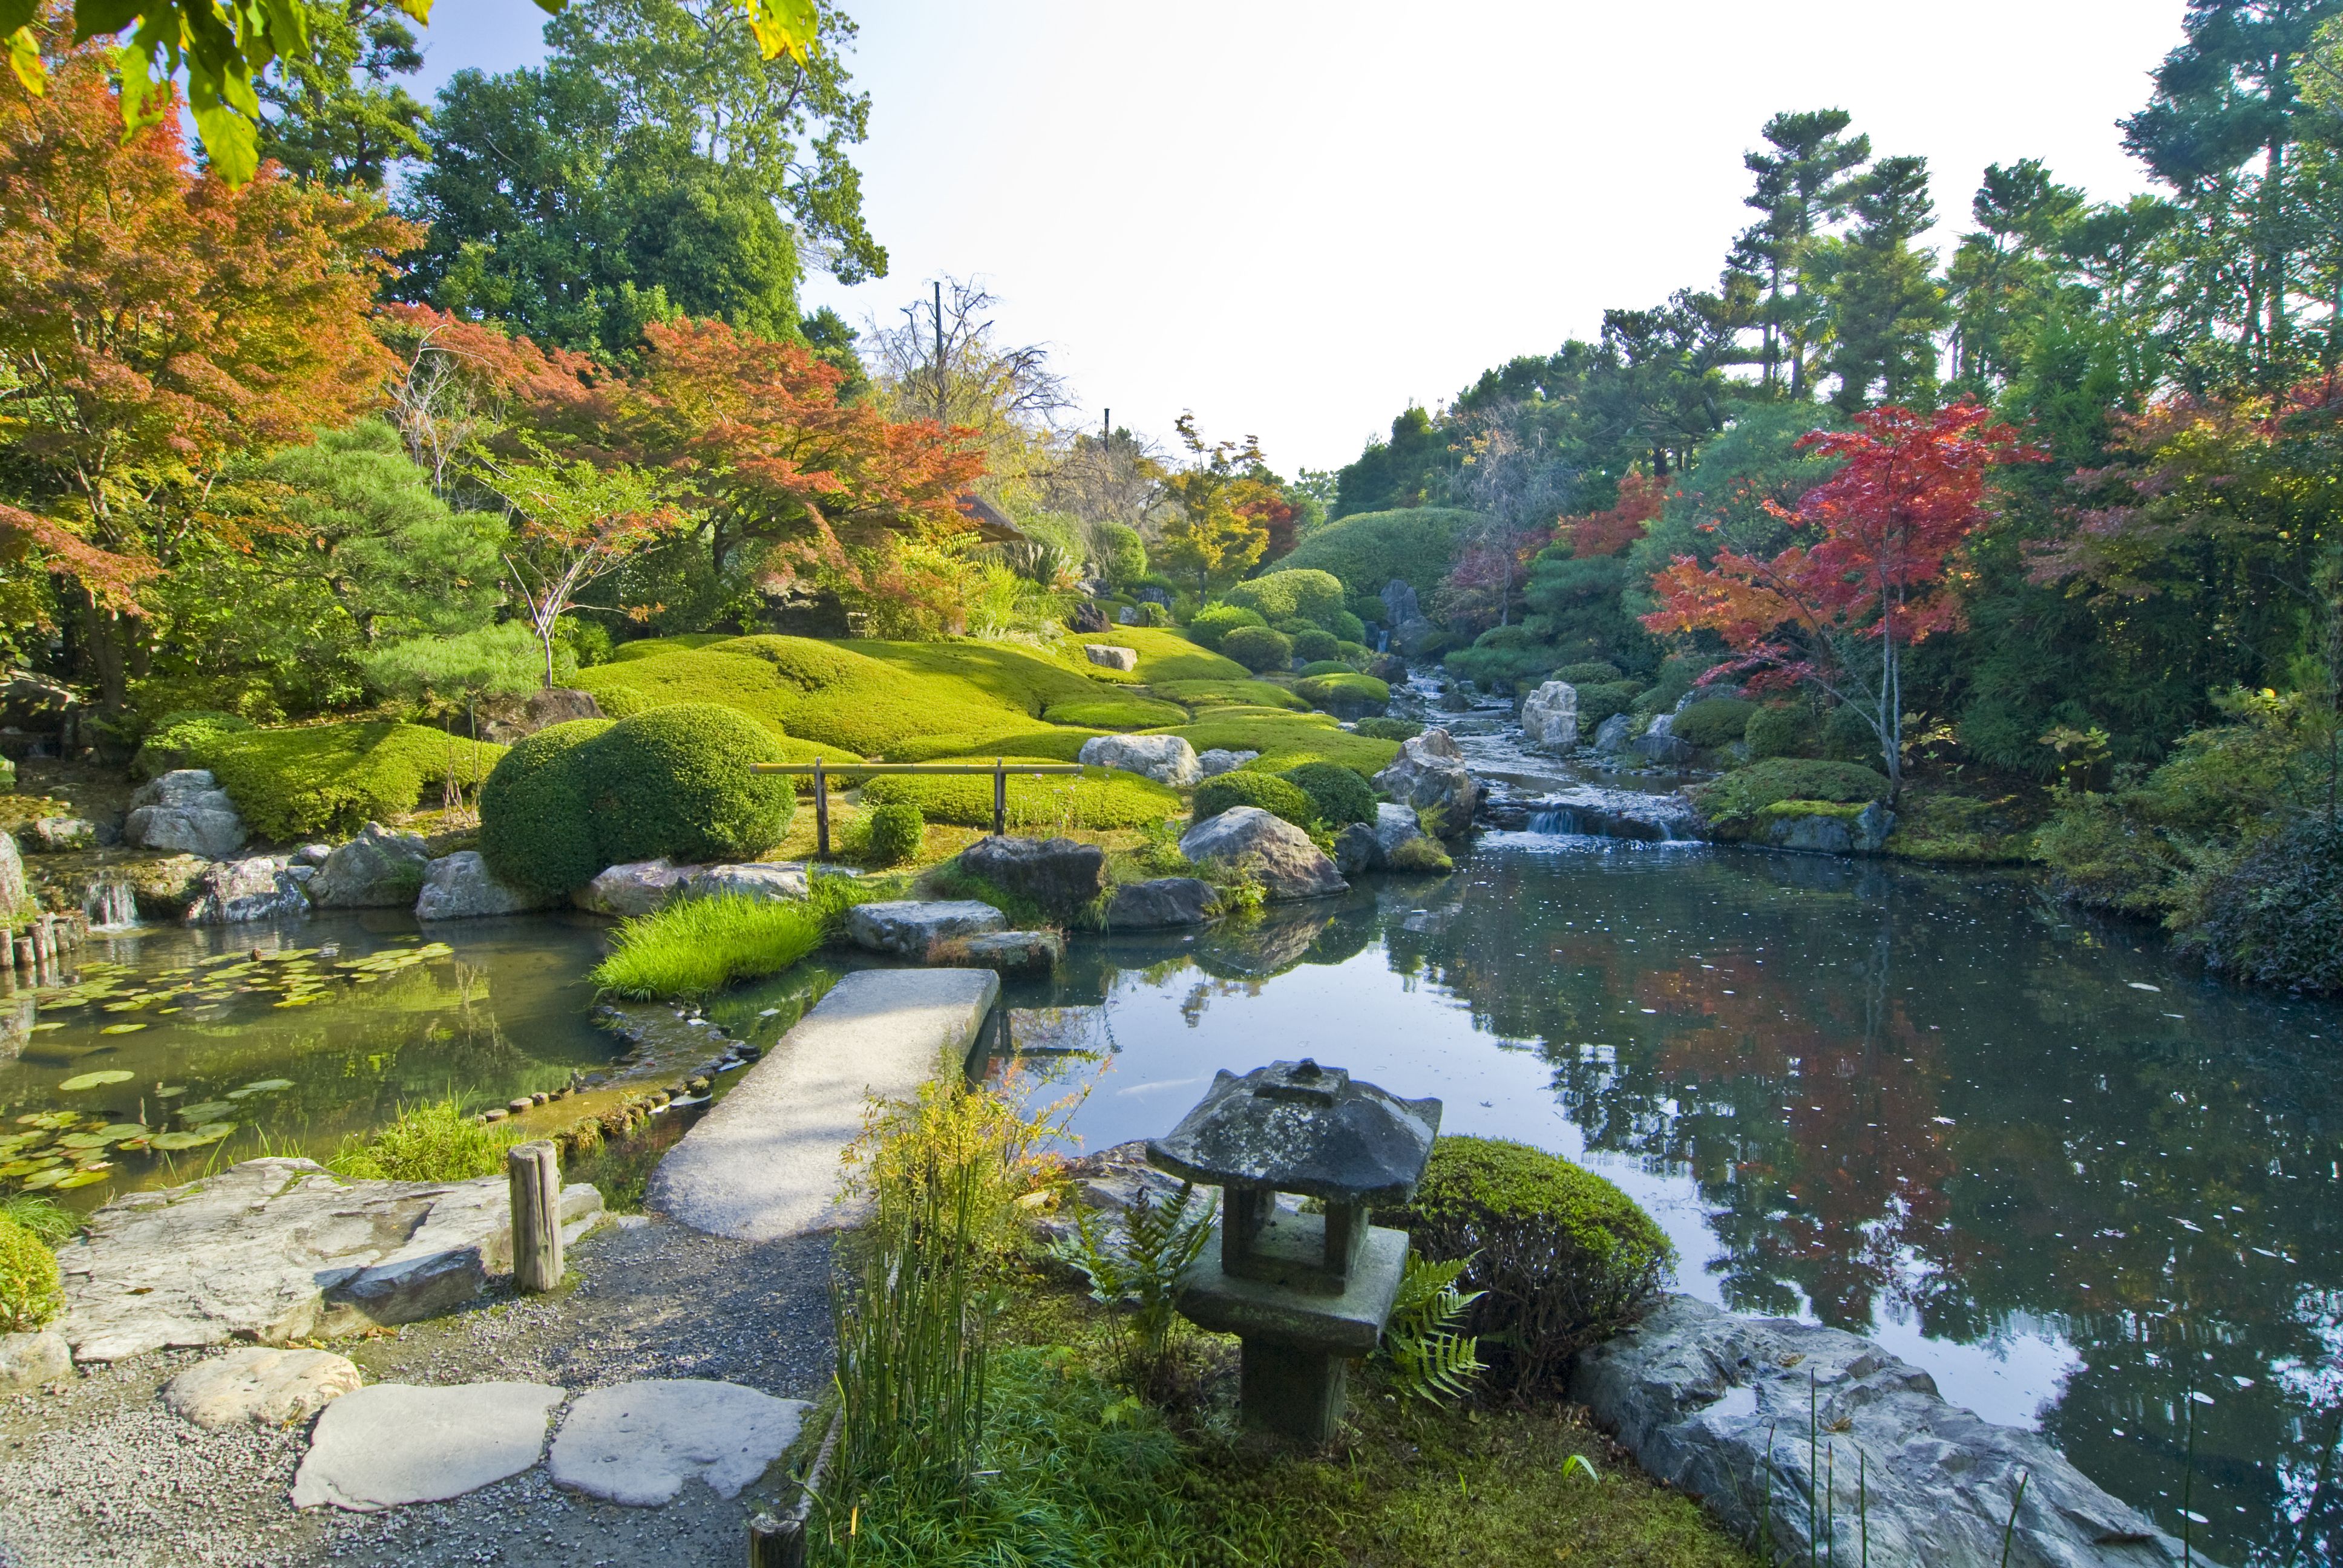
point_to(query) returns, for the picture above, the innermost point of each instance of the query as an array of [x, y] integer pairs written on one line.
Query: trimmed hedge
[[537, 830], [1602, 700], [1387, 730], [1272, 794], [1780, 729], [1259, 648], [1713, 721], [333, 778], [1213, 624], [1324, 667], [1367, 549], [1315, 647], [31, 1293], [897, 832], [1564, 1258], [1115, 799], [1339, 796], [1288, 740], [1348, 690], [1305, 594], [1739, 795], [1593, 672]]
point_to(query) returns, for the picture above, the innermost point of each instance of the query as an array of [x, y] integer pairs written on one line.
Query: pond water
[[2084, 1186]]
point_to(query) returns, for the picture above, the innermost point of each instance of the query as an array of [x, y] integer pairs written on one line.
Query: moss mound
[[1291, 593], [31, 1293], [535, 828], [333, 778], [1348, 691], [1713, 721], [1116, 713], [1211, 624], [1230, 692], [1259, 648], [1735, 799], [1163, 656], [1367, 549], [897, 832], [1273, 795], [1287, 741], [1387, 730], [177, 737], [1115, 799], [1041, 741], [1567, 1260], [1339, 796]]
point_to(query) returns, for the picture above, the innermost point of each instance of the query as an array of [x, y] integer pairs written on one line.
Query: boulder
[[1059, 874], [1614, 733], [1832, 833], [28, 1360], [1356, 850], [1412, 632], [637, 887], [1014, 952], [314, 855], [1717, 1406], [261, 888], [58, 835], [747, 880], [1087, 618], [1430, 771], [460, 887], [399, 1443], [910, 926], [1159, 902], [378, 869], [1248, 838], [637, 1442], [272, 1251], [269, 1387], [1220, 761], [545, 708], [1655, 745], [1109, 657], [1127, 615], [1153, 594], [1166, 759], [165, 886], [1550, 717], [184, 810], [14, 897], [34, 703]]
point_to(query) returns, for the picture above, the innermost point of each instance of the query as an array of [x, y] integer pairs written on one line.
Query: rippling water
[[2068, 1175]]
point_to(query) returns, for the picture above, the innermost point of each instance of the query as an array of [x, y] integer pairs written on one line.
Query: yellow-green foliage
[[1108, 799], [1050, 743], [30, 1290], [1346, 689], [1215, 694], [1117, 713], [536, 829], [1290, 594], [1278, 796], [1288, 740], [652, 647], [695, 946], [1367, 549], [436, 1143], [1735, 798], [1162, 656], [333, 778]]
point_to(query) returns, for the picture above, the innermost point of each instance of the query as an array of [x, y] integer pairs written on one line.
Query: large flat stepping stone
[[272, 1387], [399, 1443], [271, 1251], [764, 1163], [910, 926], [639, 1443]]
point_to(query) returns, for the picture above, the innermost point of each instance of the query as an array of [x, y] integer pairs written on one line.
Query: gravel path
[[101, 1476]]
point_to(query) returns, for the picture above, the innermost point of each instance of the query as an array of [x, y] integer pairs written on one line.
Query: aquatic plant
[[695, 946], [437, 1142]]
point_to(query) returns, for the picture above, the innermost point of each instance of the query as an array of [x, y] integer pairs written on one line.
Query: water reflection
[[2078, 1183]]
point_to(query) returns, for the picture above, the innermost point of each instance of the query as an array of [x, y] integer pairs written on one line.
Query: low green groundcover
[[1348, 690], [1338, 795], [1734, 800], [328, 780], [1116, 713], [1288, 740], [1052, 802], [694, 947]]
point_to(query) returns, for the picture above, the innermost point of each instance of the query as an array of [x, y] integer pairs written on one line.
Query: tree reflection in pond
[[2073, 1179]]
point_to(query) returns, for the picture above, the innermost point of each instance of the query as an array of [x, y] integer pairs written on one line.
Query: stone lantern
[[1304, 1293]]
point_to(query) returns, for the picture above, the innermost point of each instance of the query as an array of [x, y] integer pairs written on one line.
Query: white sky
[[1295, 218]]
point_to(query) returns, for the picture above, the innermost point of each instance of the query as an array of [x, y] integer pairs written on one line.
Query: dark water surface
[[2077, 1182]]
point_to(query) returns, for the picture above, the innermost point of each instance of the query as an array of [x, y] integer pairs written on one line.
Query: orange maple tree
[[158, 323], [1607, 532], [1877, 562]]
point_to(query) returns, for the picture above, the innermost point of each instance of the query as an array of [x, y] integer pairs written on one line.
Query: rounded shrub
[[1848, 737], [31, 1293], [1314, 647], [536, 829], [1122, 553], [1338, 796], [2277, 916], [1601, 700], [1315, 596], [1266, 791], [1348, 627], [675, 781], [1566, 1259], [1779, 729], [1713, 721], [1259, 648], [896, 830], [1214, 622], [1325, 667], [1388, 730], [1345, 692], [1592, 673]]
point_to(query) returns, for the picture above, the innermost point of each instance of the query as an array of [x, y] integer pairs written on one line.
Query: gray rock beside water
[[270, 1250], [262, 888], [1550, 717], [1012, 951], [910, 926], [1219, 759], [1061, 875], [57, 834], [1159, 903], [378, 869], [270, 1387], [1271, 849], [13, 896], [1166, 759], [1614, 733], [460, 887], [1430, 771], [1696, 1395], [184, 810], [637, 887], [1863, 834], [746, 880]]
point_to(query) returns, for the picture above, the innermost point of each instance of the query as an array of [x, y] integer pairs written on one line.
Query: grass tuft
[[433, 1143], [695, 946]]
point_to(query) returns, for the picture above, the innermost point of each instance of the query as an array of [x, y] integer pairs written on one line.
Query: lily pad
[[84, 1141], [98, 1080], [16, 1168], [169, 1091], [40, 1028], [49, 1178], [207, 1110], [88, 1178], [118, 1129], [122, 1028], [196, 1138]]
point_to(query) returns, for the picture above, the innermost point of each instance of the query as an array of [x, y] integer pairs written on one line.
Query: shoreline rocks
[[910, 928], [1550, 717], [460, 887], [1161, 902], [1430, 771], [187, 811], [1062, 876], [1280, 854], [636, 887], [261, 888], [378, 869]]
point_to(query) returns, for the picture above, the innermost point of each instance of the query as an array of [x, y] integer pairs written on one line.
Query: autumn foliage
[[1607, 532]]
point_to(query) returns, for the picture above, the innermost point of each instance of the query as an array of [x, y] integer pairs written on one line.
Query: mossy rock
[[1163, 655], [1713, 722], [31, 1292], [1732, 803]]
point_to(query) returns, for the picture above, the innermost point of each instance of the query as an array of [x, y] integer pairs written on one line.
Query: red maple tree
[[1607, 532], [1879, 562]]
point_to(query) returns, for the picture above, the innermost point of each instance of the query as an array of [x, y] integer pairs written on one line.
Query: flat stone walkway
[[764, 1163]]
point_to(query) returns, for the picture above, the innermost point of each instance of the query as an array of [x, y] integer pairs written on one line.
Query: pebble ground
[[98, 1474]]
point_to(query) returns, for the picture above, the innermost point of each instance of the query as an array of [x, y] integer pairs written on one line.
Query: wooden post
[[776, 1542], [820, 811], [533, 1170], [999, 796]]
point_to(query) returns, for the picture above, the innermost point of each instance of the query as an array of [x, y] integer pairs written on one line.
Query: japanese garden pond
[[2045, 1161]]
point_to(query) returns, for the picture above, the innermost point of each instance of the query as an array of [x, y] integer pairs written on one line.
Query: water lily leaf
[[40, 1028], [169, 1091], [87, 1178], [118, 1129], [49, 1178], [98, 1080], [84, 1141], [16, 1168], [51, 1119], [135, 1142], [209, 1111], [196, 1138], [122, 1028]]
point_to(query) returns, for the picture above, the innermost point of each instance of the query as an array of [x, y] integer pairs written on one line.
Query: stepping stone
[[639, 1443], [765, 1162], [399, 1443], [910, 926], [275, 1388]]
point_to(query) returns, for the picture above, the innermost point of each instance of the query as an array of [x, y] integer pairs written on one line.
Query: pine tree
[[1801, 182], [1886, 304]]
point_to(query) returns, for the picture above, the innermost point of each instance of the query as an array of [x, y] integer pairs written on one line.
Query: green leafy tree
[[577, 524], [1217, 532], [2009, 270], [1886, 306], [335, 112]]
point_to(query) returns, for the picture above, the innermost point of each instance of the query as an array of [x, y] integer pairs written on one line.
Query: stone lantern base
[[1298, 1347]]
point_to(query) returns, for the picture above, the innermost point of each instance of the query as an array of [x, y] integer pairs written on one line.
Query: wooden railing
[[823, 772]]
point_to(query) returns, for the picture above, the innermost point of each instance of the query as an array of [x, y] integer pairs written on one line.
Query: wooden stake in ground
[[534, 1171]]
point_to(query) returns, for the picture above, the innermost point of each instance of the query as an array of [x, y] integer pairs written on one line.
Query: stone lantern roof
[[1297, 1127]]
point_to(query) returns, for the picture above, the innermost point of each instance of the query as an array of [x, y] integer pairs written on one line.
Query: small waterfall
[[110, 906], [1555, 821]]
